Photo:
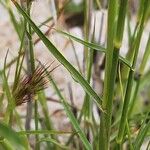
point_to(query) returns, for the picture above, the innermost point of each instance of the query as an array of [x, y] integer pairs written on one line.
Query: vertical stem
[[107, 99], [134, 96], [13, 19], [31, 67], [131, 75], [87, 25], [139, 74], [116, 28], [26, 49], [87, 57]]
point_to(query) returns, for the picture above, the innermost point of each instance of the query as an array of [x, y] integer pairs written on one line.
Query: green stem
[[32, 68], [75, 74], [105, 125], [112, 57], [134, 97], [16, 25], [131, 75], [71, 116], [88, 57]]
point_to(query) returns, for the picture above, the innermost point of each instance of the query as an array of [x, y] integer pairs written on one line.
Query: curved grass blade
[[142, 133], [71, 116], [43, 132], [69, 113], [54, 142], [93, 46], [85, 43], [12, 137], [74, 73]]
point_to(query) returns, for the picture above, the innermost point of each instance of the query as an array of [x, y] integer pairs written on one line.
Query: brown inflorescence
[[29, 85]]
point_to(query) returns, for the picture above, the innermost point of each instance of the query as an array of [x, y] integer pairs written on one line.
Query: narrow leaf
[[74, 73]]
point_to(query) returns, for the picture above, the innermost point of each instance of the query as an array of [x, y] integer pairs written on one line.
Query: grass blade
[[11, 136], [54, 142], [93, 46], [142, 133], [74, 73]]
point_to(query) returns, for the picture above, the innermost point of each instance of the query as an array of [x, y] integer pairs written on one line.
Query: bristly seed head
[[29, 85]]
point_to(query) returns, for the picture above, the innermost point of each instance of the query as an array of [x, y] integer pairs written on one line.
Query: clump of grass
[[117, 123]]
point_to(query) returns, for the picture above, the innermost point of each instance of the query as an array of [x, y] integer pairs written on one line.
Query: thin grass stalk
[[43, 103], [86, 32], [131, 76], [16, 80], [8, 65], [83, 42], [43, 132], [145, 80], [87, 105], [94, 46], [76, 56], [26, 48], [87, 23], [89, 74], [137, 85], [13, 19], [76, 75], [87, 57], [129, 136], [112, 13], [24, 137], [48, 122], [130, 53], [129, 26], [71, 116], [127, 124], [106, 118], [87, 66], [129, 56], [11, 105], [145, 57], [69, 112], [32, 66], [60, 146], [139, 75], [18, 68], [107, 98], [142, 133]]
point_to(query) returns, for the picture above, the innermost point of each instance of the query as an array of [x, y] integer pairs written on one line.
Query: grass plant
[[118, 118]]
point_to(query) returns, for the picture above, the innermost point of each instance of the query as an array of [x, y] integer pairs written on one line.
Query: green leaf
[[142, 133], [71, 116], [85, 43], [13, 138], [74, 73], [93, 46], [54, 142], [43, 132]]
